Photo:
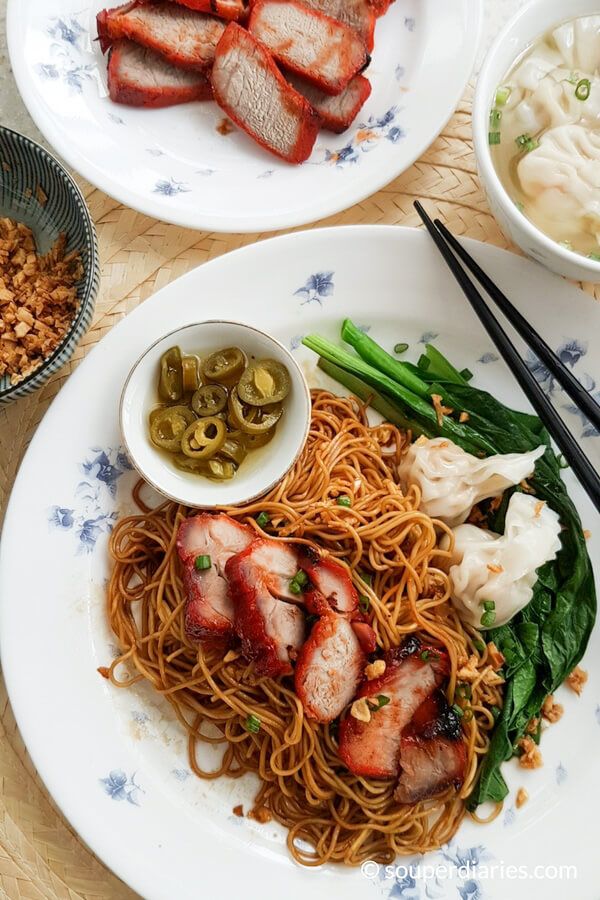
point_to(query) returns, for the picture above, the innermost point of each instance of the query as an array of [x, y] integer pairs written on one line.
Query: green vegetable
[[502, 95], [344, 500], [583, 88], [466, 374], [488, 619], [489, 605], [262, 520], [544, 642], [252, 724], [202, 562]]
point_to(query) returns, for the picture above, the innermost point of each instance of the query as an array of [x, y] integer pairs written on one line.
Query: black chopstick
[[570, 449], [582, 398]]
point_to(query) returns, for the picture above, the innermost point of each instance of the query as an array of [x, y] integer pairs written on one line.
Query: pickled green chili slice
[[220, 469], [170, 382], [190, 369], [234, 449], [168, 425], [264, 382], [255, 441], [224, 366], [204, 438], [209, 400], [247, 420]]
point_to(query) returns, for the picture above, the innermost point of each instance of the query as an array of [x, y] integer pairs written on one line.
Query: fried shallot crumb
[[521, 798], [440, 409], [587, 534], [238, 810], [360, 710], [464, 417], [533, 725], [577, 679], [495, 657], [38, 298], [552, 711], [375, 669], [530, 758], [104, 671], [260, 814]]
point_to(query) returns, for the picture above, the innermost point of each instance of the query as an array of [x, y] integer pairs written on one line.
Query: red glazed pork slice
[[336, 112], [356, 14], [139, 77], [224, 9]]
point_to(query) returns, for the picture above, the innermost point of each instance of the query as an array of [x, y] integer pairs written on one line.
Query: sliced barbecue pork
[[209, 613], [316, 47], [268, 621], [329, 668], [380, 7], [139, 77], [233, 10], [185, 38], [249, 87], [412, 673], [433, 754], [330, 579], [337, 113], [356, 14]]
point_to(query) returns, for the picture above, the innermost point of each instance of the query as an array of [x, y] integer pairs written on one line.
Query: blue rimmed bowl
[[24, 167]]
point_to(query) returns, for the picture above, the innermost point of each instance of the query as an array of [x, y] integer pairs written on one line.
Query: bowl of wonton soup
[[536, 129]]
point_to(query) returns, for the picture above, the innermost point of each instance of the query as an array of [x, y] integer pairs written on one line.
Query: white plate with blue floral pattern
[[115, 761], [176, 165]]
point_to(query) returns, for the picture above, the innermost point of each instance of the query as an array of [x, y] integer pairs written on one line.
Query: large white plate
[[174, 164], [114, 760]]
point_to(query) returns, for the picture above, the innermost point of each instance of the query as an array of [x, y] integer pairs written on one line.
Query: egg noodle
[[392, 552]]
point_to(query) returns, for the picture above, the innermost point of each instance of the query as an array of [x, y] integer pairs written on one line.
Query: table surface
[[40, 856]]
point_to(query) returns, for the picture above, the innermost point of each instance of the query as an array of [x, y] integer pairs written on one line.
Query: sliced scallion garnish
[[489, 605], [364, 603], [400, 348], [298, 582], [526, 143], [252, 724], [262, 520], [202, 562], [344, 500], [488, 618], [583, 88], [502, 95], [495, 117], [494, 138]]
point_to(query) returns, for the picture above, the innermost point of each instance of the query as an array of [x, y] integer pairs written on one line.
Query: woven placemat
[[40, 855]]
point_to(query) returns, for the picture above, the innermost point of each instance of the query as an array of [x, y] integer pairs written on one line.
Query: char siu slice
[[185, 38], [330, 579], [232, 10], [356, 14], [329, 668], [380, 7], [209, 613], [339, 112], [268, 621], [139, 77], [433, 754], [314, 46], [412, 673], [249, 87]]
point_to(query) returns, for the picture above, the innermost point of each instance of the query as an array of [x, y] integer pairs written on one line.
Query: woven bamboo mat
[[40, 856]]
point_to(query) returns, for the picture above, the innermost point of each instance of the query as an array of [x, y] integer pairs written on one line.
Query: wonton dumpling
[[452, 481], [561, 177], [502, 568], [578, 43]]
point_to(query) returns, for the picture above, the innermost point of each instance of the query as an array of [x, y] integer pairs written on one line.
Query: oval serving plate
[[175, 165], [115, 760]]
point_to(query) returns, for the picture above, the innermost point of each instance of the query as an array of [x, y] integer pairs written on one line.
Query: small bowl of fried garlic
[[49, 271]]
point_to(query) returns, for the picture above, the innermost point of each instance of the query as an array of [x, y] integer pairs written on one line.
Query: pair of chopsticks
[[454, 254]]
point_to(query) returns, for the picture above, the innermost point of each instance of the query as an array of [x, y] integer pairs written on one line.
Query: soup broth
[[545, 134]]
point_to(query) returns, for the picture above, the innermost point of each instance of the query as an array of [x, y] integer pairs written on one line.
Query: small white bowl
[[263, 468], [529, 23]]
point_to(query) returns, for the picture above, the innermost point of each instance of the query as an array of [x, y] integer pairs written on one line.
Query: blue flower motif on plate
[[66, 63], [470, 890], [317, 288], [368, 134], [296, 341], [170, 188], [94, 511], [598, 713], [410, 23], [119, 786], [181, 774], [399, 72], [116, 119], [487, 358], [509, 816], [428, 337], [561, 774]]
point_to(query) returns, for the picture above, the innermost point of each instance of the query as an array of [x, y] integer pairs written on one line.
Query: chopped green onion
[[344, 500], [382, 700], [502, 95], [479, 645], [494, 138], [488, 618], [582, 91], [489, 605], [463, 690], [526, 143], [495, 117], [298, 582], [466, 374], [364, 603], [458, 710], [400, 348], [424, 362], [468, 714], [366, 577], [425, 655], [202, 562], [262, 520], [252, 724]]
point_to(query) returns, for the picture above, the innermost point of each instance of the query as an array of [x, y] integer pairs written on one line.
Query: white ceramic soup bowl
[[263, 468], [522, 30]]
